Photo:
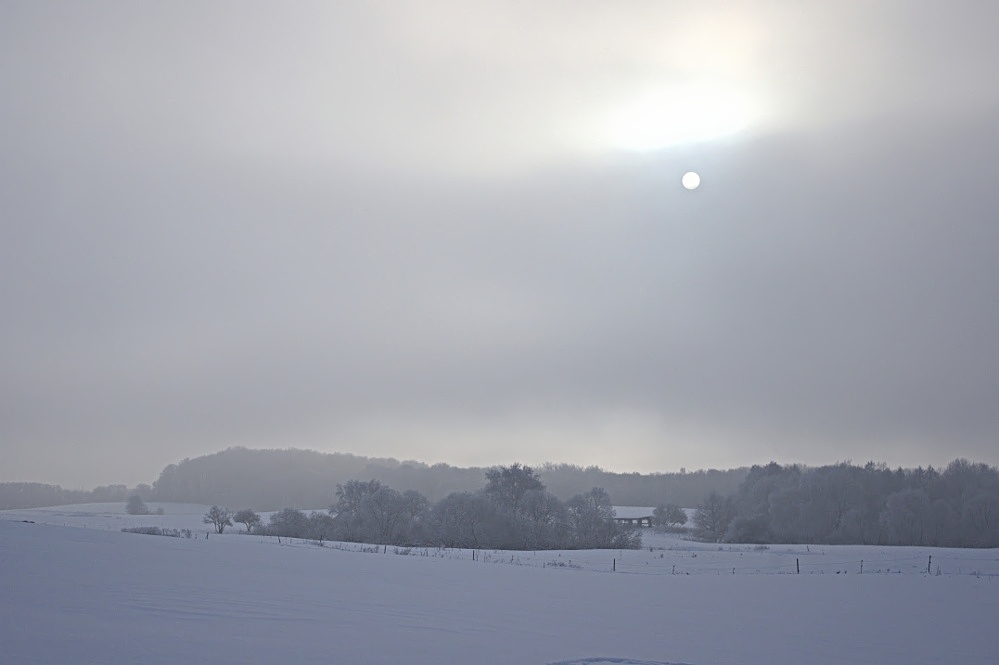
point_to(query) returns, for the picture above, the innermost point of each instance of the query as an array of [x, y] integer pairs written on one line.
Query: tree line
[[868, 505], [514, 510], [271, 479], [15, 495]]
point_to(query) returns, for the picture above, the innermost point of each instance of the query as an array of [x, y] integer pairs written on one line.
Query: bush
[[136, 506], [158, 531]]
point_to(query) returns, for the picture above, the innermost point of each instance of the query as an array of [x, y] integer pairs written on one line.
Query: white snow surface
[[97, 595]]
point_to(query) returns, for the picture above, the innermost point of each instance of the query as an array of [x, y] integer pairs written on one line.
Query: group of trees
[[513, 511], [39, 495], [848, 504], [271, 479]]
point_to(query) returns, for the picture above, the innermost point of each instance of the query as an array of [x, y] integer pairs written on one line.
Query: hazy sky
[[456, 232]]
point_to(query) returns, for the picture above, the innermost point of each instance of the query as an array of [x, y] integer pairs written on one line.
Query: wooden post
[[861, 566], [614, 568], [928, 564], [797, 566]]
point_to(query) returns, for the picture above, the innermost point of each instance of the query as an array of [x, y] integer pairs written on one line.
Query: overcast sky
[[456, 232]]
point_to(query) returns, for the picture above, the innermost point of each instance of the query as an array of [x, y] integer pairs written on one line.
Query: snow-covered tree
[[668, 516], [248, 518], [712, 517], [136, 506], [220, 518], [507, 485], [289, 522]]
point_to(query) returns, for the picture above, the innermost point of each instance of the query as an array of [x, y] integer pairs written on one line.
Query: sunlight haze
[[457, 232]]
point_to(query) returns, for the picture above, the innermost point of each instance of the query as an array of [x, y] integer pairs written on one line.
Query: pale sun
[[690, 180]]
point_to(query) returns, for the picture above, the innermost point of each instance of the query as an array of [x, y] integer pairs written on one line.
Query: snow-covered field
[[96, 595]]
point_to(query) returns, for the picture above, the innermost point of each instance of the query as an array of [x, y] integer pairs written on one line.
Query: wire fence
[[925, 565], [700, 559], [704, 562]]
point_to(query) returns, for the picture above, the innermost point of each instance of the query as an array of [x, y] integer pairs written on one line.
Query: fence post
[[614, 566], [861, 566], [929, 563], [797, 567]]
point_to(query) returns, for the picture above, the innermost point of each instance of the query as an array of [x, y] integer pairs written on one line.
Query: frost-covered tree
[[591, 523], [321, 526], [347, 511], [980, 518], [906, 516], [416, 504], [136, 506], [668, 516], [543, 521], [465, 519], [220, 518], [248, 518], [289, 522], [383, 516], [712, 517], [507, 485]]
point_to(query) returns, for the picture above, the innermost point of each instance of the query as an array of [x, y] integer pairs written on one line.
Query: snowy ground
[[96, 595]]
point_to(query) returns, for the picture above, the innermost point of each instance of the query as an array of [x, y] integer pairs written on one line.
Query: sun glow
[[682, 115]]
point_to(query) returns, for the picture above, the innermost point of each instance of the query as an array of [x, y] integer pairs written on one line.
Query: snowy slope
[[72, 595], [112, 516]]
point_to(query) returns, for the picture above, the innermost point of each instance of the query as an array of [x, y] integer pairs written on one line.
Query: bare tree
[[220, 518]]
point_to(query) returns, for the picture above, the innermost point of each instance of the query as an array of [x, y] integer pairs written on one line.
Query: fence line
[[666, 564]]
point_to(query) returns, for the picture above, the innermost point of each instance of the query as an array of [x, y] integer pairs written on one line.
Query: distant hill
[[39, 495], [274, 479]]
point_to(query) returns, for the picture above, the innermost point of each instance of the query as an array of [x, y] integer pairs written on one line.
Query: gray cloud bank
[[280, 227]]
